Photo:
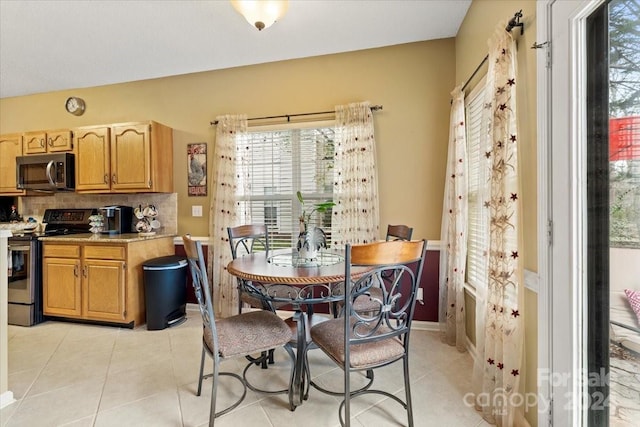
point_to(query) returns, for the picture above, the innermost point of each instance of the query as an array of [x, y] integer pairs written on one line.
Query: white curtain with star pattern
[[499, 365], [355, 192], [231, 165], [453, 233]]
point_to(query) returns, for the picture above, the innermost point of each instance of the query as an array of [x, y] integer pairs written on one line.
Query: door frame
[[561, 79]]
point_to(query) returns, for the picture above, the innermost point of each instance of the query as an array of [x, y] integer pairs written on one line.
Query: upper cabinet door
[[10, 148], [124, 158], [59, 140], [93, 159], [131, 157], [47, 141], [35, 142]]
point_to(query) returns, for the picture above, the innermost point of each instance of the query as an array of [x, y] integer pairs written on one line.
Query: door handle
[[42, 142], [50, 142], [84, 271], [75, 271], [50, 167], [113, 179], [106, 178]]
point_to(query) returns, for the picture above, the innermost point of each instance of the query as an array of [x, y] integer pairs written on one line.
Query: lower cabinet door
[[62, 287], [104, 289]]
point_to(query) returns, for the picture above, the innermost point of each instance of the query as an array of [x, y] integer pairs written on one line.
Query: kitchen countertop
[[103, 238]]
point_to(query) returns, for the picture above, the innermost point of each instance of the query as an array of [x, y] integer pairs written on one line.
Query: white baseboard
[[423, 325], [471, 349], [6, 399]]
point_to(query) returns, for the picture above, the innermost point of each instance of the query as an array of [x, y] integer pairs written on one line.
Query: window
[[282, 162], [271, 216], [476, 243], [624, 124]]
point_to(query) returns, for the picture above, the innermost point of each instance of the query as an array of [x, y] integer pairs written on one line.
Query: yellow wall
[[412, 82], [471, 47]]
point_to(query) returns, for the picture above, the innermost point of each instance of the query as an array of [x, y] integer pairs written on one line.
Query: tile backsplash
[[166, 203]]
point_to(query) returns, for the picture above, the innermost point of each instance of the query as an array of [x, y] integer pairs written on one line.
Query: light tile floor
[[71, 374]]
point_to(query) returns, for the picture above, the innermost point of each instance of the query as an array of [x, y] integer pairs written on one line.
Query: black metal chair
[[247, 239], [234, 336], [244, 240], [363, 342]]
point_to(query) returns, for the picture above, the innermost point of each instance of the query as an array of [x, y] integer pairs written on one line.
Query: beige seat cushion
[[248, 333], [368, 303], [329, 336], [310, 322]]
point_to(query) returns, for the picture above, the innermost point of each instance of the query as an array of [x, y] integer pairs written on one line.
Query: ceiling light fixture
[[261, 13]]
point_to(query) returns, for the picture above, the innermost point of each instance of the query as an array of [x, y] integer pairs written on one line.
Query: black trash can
[[165, 291]]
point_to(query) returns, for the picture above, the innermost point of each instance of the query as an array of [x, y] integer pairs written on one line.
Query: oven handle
[[49, 176], [19, 248]]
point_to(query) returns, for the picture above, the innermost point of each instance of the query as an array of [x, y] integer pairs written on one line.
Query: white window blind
[[281, 162], [476, 240]]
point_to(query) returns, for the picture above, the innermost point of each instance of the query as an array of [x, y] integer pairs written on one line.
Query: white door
[[562, 187]]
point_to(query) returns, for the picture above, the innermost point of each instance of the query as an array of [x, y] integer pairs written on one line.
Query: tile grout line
[[104, 382], [175, 379], [26, 392]]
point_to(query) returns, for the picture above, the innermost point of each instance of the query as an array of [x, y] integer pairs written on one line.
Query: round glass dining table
[[281, 277], [284, 266]]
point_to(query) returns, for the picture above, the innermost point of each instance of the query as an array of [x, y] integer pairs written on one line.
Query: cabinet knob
[[113, 179], [75, 271], [42, 142], [50, 142], [84, 271], [106, 178]]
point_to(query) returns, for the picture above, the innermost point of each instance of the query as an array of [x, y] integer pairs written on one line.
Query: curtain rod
[[513, 22], [475, 72], [288, 116]]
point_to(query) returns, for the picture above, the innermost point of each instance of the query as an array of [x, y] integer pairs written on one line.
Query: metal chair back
[[247, 239], [244, 240], [399, 232], [198, 269]]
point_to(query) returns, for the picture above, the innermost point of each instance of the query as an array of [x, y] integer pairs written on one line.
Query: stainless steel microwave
[[47, 172]]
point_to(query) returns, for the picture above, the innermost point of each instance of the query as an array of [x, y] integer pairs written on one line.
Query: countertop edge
[[99, 238]]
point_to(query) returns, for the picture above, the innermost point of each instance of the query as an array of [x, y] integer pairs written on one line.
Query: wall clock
[[75, 106]]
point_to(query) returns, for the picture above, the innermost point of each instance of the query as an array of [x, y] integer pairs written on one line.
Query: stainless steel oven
[[25, 263], [25, 281]]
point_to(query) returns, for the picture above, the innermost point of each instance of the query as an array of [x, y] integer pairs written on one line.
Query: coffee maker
[[117, 219]]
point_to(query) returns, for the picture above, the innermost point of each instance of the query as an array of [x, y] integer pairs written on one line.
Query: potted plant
[[310, 241]]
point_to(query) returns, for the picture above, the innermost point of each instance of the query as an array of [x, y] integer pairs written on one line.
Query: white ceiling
[[66, 44]]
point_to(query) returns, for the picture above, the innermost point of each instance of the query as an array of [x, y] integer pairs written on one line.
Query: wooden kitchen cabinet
[[98, 281], [93, 161], [104, 289], [52, 141], [65, 299], [82, 287], [124, 158], [10, 149]]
